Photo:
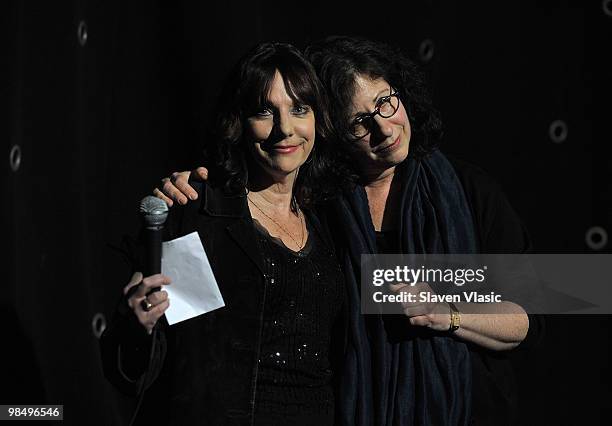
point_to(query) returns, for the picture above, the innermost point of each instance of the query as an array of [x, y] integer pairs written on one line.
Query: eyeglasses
[[386, 106]]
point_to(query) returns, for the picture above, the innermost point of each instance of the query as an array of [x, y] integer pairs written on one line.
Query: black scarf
[[423, 377]]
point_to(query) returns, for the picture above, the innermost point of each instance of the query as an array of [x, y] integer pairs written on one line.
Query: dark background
[[99, 123]]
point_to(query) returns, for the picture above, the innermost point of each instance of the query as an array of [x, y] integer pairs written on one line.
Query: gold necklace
[[281, 227]]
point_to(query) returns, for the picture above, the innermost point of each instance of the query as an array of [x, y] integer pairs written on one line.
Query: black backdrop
[[99, 99]]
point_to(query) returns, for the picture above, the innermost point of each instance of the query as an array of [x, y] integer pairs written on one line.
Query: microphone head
[[154, 211]]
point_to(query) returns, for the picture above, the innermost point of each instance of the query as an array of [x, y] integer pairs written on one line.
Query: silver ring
[[82, 33], [606, 5], [426, 50], [558, 131], [146, 305], [596, 238], [15, 158], [98, 324]]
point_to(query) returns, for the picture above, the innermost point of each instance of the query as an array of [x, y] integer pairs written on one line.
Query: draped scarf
[[423, 378]]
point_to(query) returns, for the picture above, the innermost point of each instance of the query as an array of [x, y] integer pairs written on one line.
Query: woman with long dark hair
[[266, 357]]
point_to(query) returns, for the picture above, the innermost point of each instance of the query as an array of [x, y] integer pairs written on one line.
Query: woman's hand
[[496, 326], [176, 187], [434, 315], [158, 301]]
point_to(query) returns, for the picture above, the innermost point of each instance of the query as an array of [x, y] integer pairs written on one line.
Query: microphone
[[154, 213]]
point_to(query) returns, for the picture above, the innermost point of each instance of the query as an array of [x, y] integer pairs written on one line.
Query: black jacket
[[204, 370], [495, 391]]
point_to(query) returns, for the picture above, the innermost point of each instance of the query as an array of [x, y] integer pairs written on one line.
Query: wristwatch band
[[455, 320]]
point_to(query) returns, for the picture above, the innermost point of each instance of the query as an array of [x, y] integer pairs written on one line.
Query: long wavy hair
[[338, 60], [244, 93]]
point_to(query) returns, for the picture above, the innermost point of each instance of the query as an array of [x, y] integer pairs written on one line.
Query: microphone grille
[[154, 211]]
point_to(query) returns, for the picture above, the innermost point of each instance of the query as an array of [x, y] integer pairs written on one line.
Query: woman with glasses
[[443, 363], [450, 367], [266, 357]]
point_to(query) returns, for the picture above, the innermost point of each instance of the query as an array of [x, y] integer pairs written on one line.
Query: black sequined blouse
[[302, 302]]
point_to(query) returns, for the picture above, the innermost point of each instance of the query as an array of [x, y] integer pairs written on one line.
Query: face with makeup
[[281, 133], [386, 144]]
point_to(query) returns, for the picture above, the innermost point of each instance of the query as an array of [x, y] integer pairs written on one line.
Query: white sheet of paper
[[194, 290]]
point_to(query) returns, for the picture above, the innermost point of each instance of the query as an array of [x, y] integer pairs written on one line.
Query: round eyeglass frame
[[370, 115]]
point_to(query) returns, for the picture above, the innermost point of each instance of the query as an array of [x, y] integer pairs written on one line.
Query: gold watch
[[455, 318]]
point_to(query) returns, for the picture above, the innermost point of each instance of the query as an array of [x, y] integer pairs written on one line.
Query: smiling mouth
[[389, 146], [285, 149]]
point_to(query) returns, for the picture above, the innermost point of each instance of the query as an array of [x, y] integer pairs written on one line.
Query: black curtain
[[100, 99]]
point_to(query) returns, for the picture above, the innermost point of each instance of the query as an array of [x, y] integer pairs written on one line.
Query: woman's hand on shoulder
[[148, 306], [176, 187]]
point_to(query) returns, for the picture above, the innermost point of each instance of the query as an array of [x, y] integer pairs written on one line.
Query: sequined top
[[304, 296]]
